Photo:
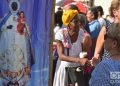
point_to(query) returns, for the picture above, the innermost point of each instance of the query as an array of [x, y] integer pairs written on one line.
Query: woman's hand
[[83, 61], [95, 61]]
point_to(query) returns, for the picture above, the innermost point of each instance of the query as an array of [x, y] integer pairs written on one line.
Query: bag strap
[[67, 51]]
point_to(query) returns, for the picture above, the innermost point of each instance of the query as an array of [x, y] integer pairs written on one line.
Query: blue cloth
[[101, 76], [93, 28], [3, 21], [38, 18]]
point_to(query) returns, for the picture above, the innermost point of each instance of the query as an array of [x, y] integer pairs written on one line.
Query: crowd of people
[[87, 47]]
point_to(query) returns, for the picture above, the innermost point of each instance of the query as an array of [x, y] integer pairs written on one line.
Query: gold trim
[[51, 44]]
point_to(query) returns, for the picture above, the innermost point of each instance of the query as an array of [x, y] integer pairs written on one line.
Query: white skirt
[[60, 78]]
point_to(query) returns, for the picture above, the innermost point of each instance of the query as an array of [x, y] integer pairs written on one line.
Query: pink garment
[[65, 42], [87, 69]]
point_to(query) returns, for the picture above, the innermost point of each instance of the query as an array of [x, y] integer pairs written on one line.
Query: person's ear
[[114, 44], [92, 16]]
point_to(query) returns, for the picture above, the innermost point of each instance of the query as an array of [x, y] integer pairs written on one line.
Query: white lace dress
[[15, 53], [74, 50]]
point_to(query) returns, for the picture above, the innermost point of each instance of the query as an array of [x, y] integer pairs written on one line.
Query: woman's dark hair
[[74, 7], [82, 19], [100, 9], [94, 12], [58, 17], [20, 13]]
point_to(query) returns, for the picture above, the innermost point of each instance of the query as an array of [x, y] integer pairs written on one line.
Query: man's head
[[112, 37]]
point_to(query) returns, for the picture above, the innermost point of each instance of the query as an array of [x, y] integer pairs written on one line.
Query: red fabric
[[21, 20], [82, 7], [21, 25]]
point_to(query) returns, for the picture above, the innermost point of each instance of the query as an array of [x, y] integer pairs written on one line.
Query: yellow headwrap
[[68, 15]]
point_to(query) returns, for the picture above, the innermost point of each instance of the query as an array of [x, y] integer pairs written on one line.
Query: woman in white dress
[[69, 45]]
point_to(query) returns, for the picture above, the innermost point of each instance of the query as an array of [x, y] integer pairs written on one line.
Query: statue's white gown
[[15, 53]]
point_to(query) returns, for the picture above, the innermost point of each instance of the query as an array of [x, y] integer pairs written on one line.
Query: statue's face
[[14, 6]]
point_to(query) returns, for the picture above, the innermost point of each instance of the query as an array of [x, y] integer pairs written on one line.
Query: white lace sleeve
[[59, 35]]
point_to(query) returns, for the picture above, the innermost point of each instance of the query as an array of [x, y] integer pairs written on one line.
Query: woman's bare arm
[[63, 57], [100, 42], [99, 47], [87, 42]]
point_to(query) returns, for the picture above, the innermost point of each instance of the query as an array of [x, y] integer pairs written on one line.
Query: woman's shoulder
[[97, 23], [108, 64], [60, 33], [81, 31], [62, 30], [111, 62], [103, 65]]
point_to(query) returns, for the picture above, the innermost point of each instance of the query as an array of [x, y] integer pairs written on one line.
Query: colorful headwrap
[[68, 15]]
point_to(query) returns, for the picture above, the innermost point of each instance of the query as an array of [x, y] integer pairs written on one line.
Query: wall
[[105, 4]]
